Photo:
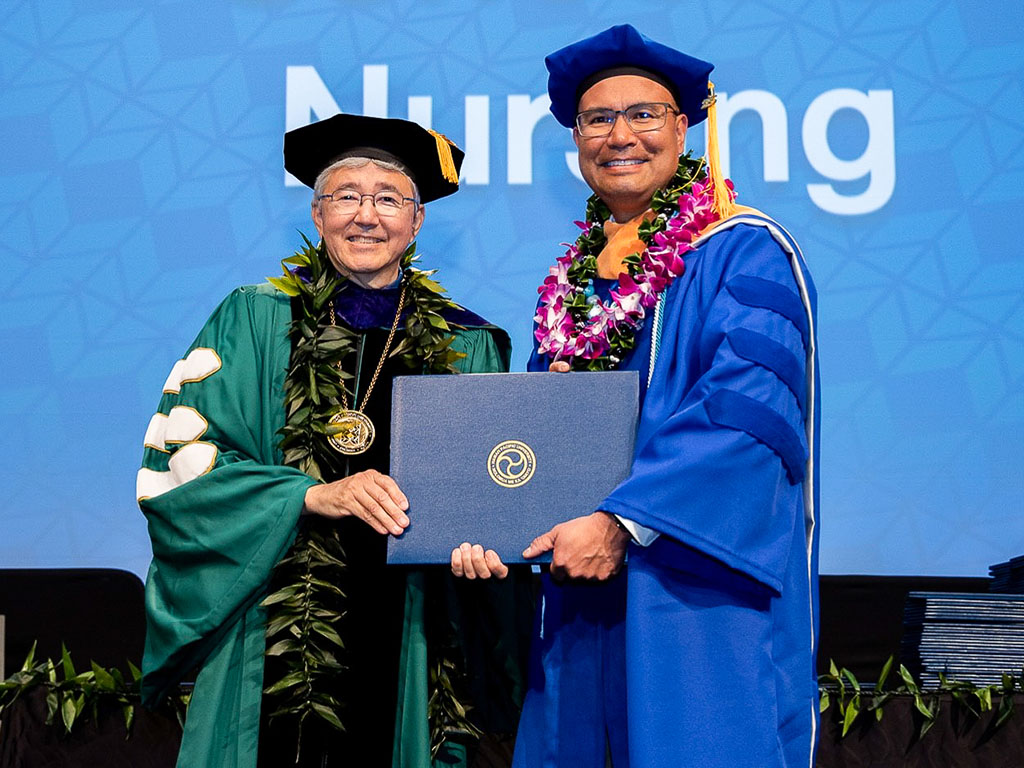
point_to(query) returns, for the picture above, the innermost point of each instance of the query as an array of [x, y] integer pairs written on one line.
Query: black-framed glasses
[[346, 201], [649, 116]]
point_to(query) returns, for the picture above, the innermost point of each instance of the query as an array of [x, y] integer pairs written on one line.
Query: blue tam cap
[[622, 50]]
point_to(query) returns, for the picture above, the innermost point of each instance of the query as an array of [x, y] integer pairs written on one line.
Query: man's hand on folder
[[371, 496], [472, 562], [591, 547]]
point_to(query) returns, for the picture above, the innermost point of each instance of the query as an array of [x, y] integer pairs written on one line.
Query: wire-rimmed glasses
[[648, 116], [346, 201]]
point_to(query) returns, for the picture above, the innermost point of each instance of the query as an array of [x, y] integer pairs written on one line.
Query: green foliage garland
[[852, 699], [73, 698], [301, 612], [77, 696]]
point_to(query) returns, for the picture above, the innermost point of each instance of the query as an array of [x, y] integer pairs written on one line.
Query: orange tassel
[[724, 206], [444, 155]]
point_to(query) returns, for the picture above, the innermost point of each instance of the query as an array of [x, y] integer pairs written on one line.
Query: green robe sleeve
[[222, 511]]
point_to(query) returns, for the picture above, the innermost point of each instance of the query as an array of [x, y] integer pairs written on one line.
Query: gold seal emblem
[[350, 432], [511, 463]]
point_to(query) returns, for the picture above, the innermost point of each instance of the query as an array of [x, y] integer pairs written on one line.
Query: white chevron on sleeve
[[197, 365], [188, 462]]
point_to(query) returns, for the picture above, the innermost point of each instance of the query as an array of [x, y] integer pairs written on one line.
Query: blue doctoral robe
[[701, 651]]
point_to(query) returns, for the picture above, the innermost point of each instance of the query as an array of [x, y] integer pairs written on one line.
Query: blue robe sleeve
[[721, 446]]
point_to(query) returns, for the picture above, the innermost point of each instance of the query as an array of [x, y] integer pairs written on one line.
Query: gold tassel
[[724, 206], [444, 154]]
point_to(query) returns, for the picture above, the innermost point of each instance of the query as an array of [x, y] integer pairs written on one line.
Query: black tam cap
[[432, 160]]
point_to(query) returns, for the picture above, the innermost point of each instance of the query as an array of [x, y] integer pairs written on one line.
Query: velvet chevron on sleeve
[[719, 429]]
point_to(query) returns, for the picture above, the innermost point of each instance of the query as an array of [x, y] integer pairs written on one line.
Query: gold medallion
[[351, 432]]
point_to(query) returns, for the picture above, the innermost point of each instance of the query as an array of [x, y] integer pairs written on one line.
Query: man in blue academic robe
[[677, 626]]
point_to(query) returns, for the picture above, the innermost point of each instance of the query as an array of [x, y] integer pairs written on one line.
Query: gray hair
[[359, 162]]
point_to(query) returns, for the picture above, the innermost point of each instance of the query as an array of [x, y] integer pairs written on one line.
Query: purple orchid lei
[[575, 325]]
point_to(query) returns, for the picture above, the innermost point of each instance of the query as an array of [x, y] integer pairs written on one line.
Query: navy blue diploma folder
[[499, 458]]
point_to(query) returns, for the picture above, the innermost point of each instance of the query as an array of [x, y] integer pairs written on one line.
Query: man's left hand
[[591, 547]]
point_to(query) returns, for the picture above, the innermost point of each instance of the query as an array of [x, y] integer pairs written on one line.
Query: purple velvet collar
[[362, 308]]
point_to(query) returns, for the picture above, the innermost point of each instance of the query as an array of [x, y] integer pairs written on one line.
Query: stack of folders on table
[[1008, 576], [964, 636]]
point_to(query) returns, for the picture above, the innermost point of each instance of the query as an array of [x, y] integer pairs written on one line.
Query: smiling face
[[364, 246], [625, 168]]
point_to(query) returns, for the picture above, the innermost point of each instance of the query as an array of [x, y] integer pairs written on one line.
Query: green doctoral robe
[[222, 510]]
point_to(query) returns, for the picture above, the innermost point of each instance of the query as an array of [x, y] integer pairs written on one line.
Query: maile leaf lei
[[313, 386], [300, 614]]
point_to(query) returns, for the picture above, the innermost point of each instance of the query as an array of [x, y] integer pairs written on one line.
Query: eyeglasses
[[639, 117], [346, 201]]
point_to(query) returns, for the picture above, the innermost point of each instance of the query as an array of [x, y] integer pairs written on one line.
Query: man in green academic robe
[[224, 503]]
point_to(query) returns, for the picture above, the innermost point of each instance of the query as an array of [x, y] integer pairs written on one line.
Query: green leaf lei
[[301, 612], [313, 386]]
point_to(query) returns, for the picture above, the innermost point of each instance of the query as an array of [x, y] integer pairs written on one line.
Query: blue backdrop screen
[[141, 181]]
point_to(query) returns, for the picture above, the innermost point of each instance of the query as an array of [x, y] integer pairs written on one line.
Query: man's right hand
[[591, 547], [374, 498]]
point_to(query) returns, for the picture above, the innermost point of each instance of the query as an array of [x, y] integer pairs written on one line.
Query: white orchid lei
[[575, 325]]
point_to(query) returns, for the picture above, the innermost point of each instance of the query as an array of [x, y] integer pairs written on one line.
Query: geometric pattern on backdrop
[[141, 181]]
